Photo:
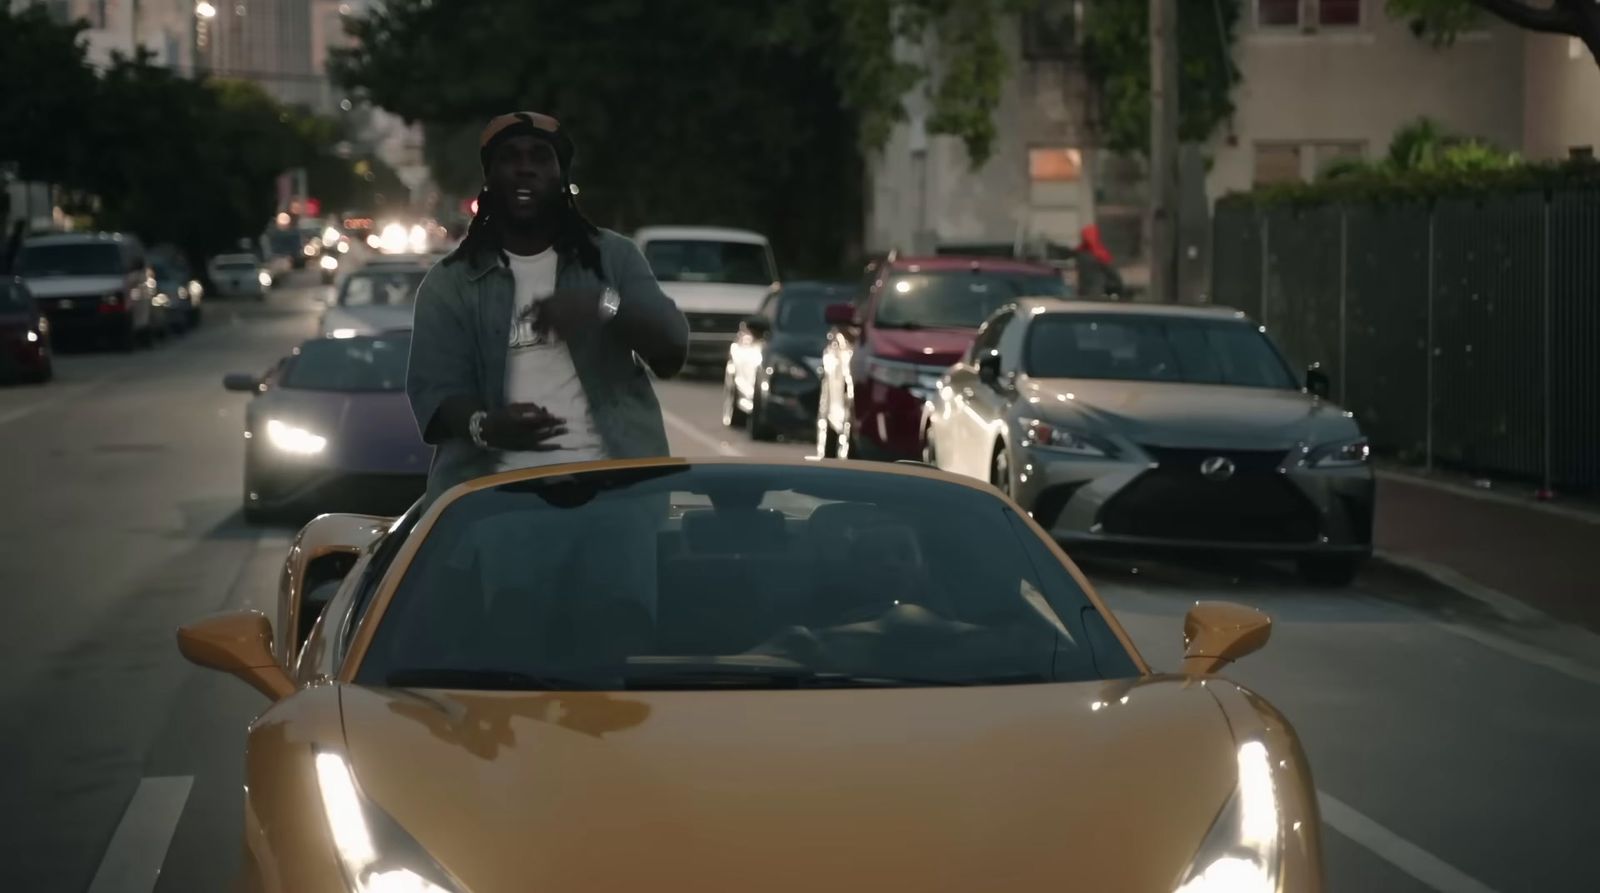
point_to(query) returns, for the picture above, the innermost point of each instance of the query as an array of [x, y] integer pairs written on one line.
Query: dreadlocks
[[574, 236]]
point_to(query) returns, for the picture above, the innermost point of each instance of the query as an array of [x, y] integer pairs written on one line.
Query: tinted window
[[801, 310], [694, 260], [727, 575], [1153, 348], [381, 289], [350, 364], [82, 259], [11, 298], [958, 298]]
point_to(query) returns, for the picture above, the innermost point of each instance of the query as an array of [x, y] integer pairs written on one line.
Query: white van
[[716, 276], [92, 283]]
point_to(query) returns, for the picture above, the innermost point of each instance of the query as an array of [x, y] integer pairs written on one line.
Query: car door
[[989, 405], [972, 419]]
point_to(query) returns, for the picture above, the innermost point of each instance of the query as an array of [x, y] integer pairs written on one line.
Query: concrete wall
[[1361, 84], [1561, 110]]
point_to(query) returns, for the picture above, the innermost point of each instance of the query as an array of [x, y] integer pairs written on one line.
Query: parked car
[[372, 300], [329, 429], [96, 284], [24, 335], [183, 292], [1158, 427], [717, 277], [771, 381], [240, 276], [832, 684], [913, 317]]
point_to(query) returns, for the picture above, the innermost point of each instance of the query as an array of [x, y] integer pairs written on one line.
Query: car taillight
[[113, 303]]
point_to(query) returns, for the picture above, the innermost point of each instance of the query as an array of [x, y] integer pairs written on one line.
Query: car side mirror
[[759, 326], [324, 536], [989, 368], [1218, 633], [241, 381], [840, 315], [1317, 382], [239, 644]]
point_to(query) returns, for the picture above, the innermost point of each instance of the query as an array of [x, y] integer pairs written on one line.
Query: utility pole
[[1162, 222]]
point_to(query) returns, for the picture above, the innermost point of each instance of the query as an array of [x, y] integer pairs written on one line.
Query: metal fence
[[1464, 332]]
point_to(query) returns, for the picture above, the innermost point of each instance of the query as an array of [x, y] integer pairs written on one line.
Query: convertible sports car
[[329, 429], [1157, 427], [712, 675]]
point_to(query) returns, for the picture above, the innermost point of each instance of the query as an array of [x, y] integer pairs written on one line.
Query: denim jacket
[[461, 336]]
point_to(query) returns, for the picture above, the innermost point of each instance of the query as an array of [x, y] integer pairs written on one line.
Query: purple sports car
[[330, 430]]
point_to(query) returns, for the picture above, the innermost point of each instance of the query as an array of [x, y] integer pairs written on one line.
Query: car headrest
[[732, 531]]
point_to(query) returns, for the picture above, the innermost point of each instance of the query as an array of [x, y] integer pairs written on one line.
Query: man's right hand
[[523, 427]]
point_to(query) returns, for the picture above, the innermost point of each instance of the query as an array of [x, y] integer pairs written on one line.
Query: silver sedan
[[1157, 427]]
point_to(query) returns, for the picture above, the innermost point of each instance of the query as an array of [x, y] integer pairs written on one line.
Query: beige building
[[267, 42]]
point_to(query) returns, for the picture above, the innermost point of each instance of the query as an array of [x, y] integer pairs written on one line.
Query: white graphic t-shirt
[[539, 370]]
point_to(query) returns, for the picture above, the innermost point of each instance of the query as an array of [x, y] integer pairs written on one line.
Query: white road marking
[[133, 860], [20, 412], [1396, 850], [687, 429], [72, 392]]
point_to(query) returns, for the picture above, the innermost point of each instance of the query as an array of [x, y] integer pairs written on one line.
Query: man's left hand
[[570, 312]]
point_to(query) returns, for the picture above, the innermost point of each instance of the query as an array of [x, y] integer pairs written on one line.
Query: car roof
[[76, 239], [1118, 308], [699, 234], [948, 262]]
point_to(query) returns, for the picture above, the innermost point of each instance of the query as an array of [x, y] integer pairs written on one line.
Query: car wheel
[[1331, 571], [732, 416], [1000, 469]]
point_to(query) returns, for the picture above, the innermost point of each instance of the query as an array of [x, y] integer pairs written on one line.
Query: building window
[[1277, 163], [1278, 13], [1339, 13], [1050, 33], [1055, 165]]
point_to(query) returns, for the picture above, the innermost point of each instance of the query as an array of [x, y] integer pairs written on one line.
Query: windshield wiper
[[486, 679]]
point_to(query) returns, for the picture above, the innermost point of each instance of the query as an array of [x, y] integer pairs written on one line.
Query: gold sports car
[[728, 675]]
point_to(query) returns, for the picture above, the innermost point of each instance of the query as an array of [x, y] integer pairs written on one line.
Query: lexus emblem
[[1217, 468]]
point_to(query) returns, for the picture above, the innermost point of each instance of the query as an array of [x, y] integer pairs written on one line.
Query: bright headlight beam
[[291, 439]]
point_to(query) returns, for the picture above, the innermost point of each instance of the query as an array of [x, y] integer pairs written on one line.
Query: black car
[[24, 335], [773, 370]]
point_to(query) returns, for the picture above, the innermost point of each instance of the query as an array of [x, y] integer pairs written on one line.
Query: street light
[[205, 10]]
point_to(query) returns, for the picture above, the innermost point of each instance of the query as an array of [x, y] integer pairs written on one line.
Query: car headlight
[[291, 439], [264, 278], [786, 367], [329, 262], [376, 854], [1242, 853], [895, 375], [1344, 454], [1040, 433]]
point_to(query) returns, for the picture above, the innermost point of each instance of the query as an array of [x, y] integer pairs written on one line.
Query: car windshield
[[689, 576], [82, 259], [350, 364], [1154, 348], [958, 299], [700, 260], [388, 288], [801, 309]]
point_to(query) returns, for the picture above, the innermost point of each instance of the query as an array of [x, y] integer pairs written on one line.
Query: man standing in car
[[532, 338], [530, 347]]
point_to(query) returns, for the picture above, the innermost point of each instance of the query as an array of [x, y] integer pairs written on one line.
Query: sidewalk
[[1546, 558]]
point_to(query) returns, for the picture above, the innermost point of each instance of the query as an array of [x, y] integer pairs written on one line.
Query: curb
[[1583, 516], [1507, 606]]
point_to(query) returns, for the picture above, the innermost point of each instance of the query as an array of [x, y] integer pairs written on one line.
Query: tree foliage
[[1117, 58], [1442, 20]]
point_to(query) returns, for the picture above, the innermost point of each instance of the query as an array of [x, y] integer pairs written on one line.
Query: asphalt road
[[1454, 751]]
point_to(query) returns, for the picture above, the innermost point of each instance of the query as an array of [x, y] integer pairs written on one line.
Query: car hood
[[932, 347], [368, 320], [1190, 415], [1091, 786], [716, 297], [75, 286], [367, 432]]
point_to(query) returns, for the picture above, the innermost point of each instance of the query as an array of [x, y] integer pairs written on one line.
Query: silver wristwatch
[[475, 429], [610, 302]]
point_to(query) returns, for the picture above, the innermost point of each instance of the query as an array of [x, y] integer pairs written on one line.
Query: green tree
[[1117, 58], [1442, 20], [49, 87]]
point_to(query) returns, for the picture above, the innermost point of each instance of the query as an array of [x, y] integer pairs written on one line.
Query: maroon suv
[[911, 322]]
